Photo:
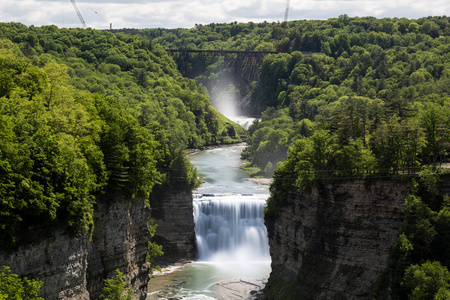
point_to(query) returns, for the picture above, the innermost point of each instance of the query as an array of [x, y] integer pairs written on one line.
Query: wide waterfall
[[230, 227], [228, 209], [231, 237]]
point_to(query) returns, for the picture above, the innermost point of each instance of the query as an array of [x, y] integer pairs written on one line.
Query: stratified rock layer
[[74, 267], [59, 262], [332, 243], [120, 241], [173, 214]]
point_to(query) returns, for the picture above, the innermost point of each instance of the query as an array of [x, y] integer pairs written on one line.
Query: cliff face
[[59, 262], [333, 243], [74, 267], [173, 213], [120, 241]]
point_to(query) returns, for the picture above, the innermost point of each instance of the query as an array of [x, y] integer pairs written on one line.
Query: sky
[[99, 14]]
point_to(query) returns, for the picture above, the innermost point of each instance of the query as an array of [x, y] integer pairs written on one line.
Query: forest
[[371, 100], [343, 98], [85, 112]]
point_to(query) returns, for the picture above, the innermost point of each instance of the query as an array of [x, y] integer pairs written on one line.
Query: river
[[231, 235]]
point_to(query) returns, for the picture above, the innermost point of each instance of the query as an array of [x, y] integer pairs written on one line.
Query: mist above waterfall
[[226, 99]]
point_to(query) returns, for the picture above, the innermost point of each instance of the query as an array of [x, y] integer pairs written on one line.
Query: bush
[[13, 287]]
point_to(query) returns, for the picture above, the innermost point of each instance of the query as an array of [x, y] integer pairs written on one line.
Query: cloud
[[175, 13]]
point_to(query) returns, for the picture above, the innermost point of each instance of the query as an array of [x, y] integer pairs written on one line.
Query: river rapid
[[231, 235]]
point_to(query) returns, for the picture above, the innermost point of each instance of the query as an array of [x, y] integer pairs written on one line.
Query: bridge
[[222, 52], [245, 64]]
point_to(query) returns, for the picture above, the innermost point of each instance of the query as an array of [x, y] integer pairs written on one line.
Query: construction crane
[[286, 13], [279, 48], [79, 14]]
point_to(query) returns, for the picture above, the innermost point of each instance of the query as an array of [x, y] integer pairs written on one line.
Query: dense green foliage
[[155, 250], [429, 280], [51, 162], [58, 150], [13, 287], [84, 112], [419, 261], [377, 82], [388, 106], [115, 288], [136, 72]]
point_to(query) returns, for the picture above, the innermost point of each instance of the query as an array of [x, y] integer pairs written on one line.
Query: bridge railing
[[233, 51]]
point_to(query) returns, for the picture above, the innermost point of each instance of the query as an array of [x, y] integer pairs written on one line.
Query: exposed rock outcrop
[[332, 243], [173, 213], [59, 262], [120, 241], [73, 267]]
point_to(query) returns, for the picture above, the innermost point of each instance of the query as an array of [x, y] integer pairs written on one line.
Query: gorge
[[95, 125]]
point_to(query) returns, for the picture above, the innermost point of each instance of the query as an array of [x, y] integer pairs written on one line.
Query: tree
[[13, 287], [434, 122], [115, 288], [429, 280], [154, 250]]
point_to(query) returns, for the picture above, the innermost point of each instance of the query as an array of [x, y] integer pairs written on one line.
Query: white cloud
[[177, 13]]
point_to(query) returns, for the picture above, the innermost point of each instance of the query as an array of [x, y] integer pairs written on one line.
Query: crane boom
[[79, 14], [286, 13]]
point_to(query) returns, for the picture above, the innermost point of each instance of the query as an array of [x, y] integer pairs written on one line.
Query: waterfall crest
[[230, 227]]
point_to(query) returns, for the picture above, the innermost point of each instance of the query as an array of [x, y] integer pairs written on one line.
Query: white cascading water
[[231, 236], [230, 228], [228, 210], [243, 121]]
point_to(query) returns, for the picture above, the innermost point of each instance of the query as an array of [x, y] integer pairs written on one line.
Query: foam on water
[[231, 228]]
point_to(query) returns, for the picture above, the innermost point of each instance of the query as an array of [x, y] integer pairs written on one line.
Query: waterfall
[[230, 227], [245, 122]]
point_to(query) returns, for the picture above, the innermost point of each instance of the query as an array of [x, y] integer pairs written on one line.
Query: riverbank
[[167, 283], [261, 181]]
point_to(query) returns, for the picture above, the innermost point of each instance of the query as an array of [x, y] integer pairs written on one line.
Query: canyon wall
[[58, 261], [332, 243], [173, 214], [74, 267], [120, 241]]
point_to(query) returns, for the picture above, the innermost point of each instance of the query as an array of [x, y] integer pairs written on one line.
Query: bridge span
[[245, 64]]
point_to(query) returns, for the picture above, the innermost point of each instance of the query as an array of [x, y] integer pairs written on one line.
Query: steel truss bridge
[[245, 64]]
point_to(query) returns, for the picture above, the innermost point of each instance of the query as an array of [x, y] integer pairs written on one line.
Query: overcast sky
[[186, 13]]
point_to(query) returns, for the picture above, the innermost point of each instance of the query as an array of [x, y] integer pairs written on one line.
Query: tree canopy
[[88, 112]]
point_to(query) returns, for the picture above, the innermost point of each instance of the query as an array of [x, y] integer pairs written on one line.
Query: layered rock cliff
[[173, 213], [73, 267], [332, 243], [120, 241], [59, 262]]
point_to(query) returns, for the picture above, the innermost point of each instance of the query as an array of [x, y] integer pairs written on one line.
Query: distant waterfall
[[245, 122], [230, 227]]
